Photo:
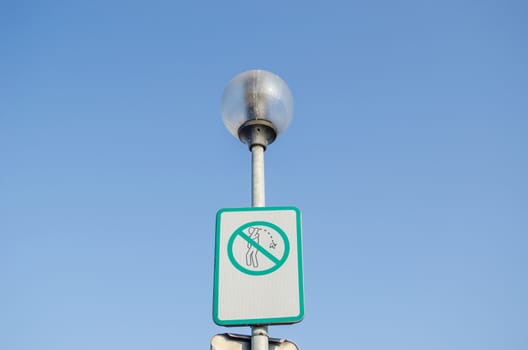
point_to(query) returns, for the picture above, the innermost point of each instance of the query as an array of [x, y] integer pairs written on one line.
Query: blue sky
[[407, 156]]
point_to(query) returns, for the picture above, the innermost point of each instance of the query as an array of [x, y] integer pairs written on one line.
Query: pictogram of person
[[251, 254]]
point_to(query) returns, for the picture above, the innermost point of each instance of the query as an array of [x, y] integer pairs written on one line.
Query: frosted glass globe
[[257, 95]]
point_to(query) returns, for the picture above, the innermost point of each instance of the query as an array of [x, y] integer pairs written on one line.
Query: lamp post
[[257, 107]]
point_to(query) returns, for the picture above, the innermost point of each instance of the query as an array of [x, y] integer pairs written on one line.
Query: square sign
[[258, 267]]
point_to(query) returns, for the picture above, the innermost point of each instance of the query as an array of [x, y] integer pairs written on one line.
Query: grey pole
[[265, 98], [259, 334], [258, 194], [258, 133], [259, 338]]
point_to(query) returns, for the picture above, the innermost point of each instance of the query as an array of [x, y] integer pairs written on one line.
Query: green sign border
[[258, 321], [278, 263]]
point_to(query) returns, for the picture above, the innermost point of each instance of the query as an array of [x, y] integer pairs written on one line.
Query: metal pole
[[258, 194], [259, 334], [259, 338]]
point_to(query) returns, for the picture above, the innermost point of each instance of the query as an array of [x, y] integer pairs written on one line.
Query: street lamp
[[257, 107]]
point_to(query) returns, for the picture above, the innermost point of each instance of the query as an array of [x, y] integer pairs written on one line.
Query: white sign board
[[258, 267], [229, 341]]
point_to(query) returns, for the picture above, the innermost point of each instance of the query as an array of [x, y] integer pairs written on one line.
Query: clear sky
[[407, 157]]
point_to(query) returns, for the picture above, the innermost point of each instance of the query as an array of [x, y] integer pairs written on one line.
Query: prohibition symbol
[[258, 248]]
